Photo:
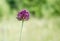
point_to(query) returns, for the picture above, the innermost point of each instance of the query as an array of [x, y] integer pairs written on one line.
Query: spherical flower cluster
[[23, 15]]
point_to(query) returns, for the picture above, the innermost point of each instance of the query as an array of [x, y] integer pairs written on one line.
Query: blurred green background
[[43, 25]]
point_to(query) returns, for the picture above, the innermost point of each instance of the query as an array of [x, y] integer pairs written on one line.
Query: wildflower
[[23, 15]]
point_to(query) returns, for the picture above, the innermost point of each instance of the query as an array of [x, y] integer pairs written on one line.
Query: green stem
[[21, 30]]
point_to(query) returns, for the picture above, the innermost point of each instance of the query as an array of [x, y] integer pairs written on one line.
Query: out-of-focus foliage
[[1, 15], [45, 29], [37, 8]]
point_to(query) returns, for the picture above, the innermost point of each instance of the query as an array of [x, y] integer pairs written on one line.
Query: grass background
[[43, 25]]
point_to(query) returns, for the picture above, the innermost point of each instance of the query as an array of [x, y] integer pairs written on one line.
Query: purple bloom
[[23, 15]]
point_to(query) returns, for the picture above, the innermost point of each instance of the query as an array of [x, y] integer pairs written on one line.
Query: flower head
[[23, 15]]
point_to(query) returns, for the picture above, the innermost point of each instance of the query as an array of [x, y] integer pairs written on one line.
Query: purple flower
[[23, 15]]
